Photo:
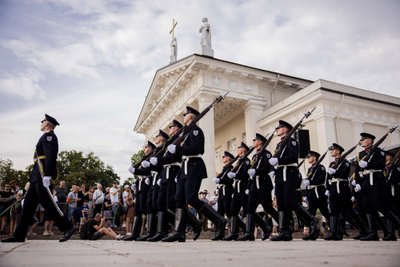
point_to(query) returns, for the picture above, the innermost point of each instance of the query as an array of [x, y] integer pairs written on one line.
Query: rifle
[[344, 155], [290, 133], [394, 162], [187, 128], [243, 159], [377, 144], [264, 146], [317, 163], [301, 163], [229, 164]]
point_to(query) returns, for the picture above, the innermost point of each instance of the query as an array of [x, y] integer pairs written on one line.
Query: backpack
[[84, 233]]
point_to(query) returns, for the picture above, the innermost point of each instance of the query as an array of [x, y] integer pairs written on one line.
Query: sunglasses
[[43, 121]]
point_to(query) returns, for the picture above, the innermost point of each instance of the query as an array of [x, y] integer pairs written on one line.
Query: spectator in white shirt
[[98, 199], [114, 196]]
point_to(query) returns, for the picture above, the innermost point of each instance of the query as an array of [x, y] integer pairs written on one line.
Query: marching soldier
[[193, 170], [259, 190], [239, 199], [225, 188], [370, 181], [392, 173], [44, 169], [166, 197], [338, 191], [142, 189], [152, 194], [287, 179], [315, 182]]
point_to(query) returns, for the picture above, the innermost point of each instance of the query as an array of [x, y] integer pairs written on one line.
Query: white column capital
[[254, 104]]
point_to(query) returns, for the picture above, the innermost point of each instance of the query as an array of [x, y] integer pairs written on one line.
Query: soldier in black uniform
[[287, 179], [141, 188], [315, 182], [193, 170], [44, 169], [166, 196], [370, 181], [338, 191], [239, 199], [259, 191], [154, 187], [392, 174], [225, 187]]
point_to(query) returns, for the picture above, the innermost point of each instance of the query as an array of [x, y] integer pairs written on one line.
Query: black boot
[[217, 219], [249, 236], [263, 225], [334, 229], [372, 233], [162, 227], [284, 234], [391, 235], [355, 220], [137, 227], [180, 227], [195, 223], [234, 229], [308, 220], [393, 218], [151, 227], [13, 239]]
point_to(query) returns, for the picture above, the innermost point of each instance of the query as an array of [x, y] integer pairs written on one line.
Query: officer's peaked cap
[[163, 134], [176, 123], [260, 137], [150, 144], [283, 123], [51, 119], [227, 154], [313, 154], [338, 147], [191, 110], [243, 145], [367, 135]]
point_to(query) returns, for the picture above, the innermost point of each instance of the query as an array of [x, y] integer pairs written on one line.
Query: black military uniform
[[392, 174], [287, 179], [317, 199], [259, 189], [225, 189], [239, 197], [44, 168], [142, 189], [373, 188], [340, 197], [193, 170]]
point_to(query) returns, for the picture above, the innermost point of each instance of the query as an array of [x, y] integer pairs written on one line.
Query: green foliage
[[8, 173], [135, 159]]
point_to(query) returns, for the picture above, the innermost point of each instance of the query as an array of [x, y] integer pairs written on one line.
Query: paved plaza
[[200, 253]]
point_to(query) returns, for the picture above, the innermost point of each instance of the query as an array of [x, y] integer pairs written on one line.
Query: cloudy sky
[[90, 63]]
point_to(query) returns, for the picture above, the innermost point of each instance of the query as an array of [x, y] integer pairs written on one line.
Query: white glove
[[251, 172], [159, 182], [305, 199], [363, 164], [145, 164], [331, 171], [153, 161], [133, 187], [273, 161], [171, 148], [176, 179], [305, 183], [246, 191], [327, 193], [231, 175], [46, 181], [271, 174], [353, 182], [353, 199], [216, 180], [147, 181], [357, 188], [131, 170]]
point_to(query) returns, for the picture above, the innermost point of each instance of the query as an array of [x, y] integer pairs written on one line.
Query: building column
[[253, 112], [326, 134], [208, 127]]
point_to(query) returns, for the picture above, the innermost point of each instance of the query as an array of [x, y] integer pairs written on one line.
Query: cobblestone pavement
[[200, 253]]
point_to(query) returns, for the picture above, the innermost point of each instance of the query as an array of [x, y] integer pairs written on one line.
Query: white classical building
[[257, 100]]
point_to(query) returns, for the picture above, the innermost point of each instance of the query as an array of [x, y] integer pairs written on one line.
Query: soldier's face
[[388, 159], [188, 117], [43, 125], [225, 159], [311, 159], [172, 130], [280, 131], [366, 142], [334, 152]]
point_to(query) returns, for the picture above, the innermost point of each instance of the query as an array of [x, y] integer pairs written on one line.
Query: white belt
[[185, 160], [140, 184], [392, 189], [237, 185], [285, 168], [315, 187], [168, 167], [154, 175], [337, 181], [223, 189], [371, 175]]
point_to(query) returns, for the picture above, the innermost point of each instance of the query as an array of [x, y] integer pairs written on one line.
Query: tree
[[8, 173], [76, 168], [135, 159]]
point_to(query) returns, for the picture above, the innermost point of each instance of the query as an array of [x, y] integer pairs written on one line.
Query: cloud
[[25, 85]]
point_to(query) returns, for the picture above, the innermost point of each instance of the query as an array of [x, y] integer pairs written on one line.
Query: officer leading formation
[[364, 191]]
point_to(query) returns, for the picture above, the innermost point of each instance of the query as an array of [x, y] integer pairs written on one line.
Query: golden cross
[[172, 31]]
